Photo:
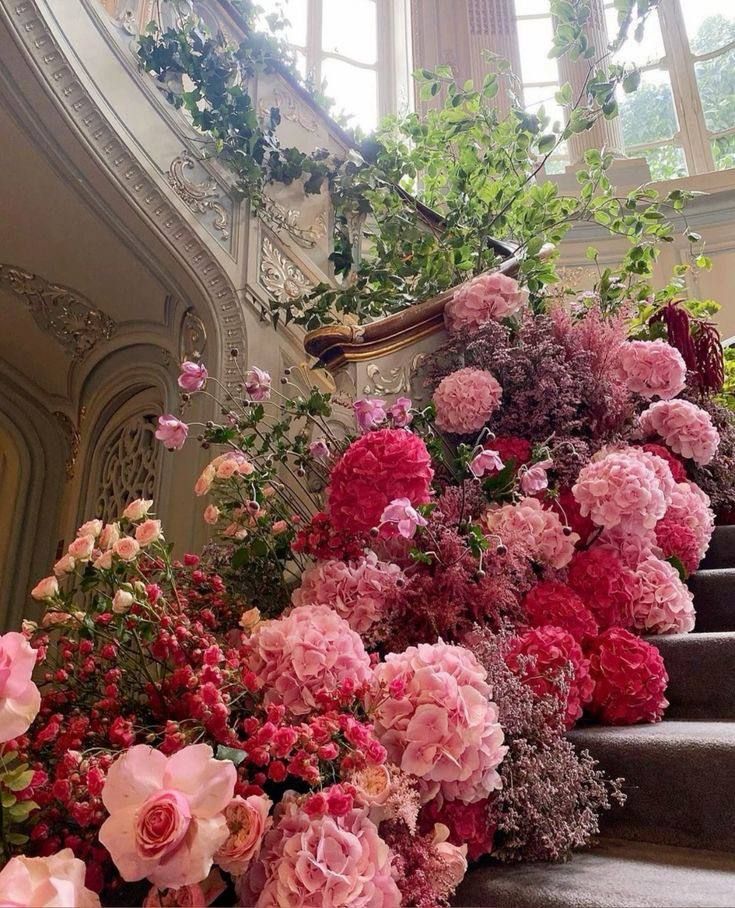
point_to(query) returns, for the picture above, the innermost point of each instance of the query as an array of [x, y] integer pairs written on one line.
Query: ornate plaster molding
[[200, 198], [278, 217], [289, 108], [73, 439], [277, 274], [62, 313], [193, 336]]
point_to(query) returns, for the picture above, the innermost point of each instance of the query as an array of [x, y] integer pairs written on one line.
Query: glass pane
[[710, 24], [538, 96], [723, 151], [666, 163], [716, 81], [531, 7], [352, 34], [294, 11], [648, 114], [650, 49], [535, 37], [354, 90]]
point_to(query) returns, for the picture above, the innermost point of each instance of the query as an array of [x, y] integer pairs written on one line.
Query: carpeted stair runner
[[673, 844]]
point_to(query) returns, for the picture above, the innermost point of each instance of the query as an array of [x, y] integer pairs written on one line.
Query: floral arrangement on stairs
[[363, 685]]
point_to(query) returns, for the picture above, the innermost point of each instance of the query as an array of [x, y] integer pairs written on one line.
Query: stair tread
[[618, 874], [696, 732]]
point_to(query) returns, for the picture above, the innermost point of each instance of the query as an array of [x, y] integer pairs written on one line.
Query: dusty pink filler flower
[[310, 649], [166, 813], [484, 298], [435, 717], [686, 428], [465, 400], [54, 880], [652, 368], [662, 605], [527, 527], [356, 590]]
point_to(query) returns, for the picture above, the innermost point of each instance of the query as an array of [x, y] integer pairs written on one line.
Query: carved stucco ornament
[[73, 439], [398, 380], [198, 197], [68, 317], [290, 110], [279, 217], [193, 338], [279, 275]]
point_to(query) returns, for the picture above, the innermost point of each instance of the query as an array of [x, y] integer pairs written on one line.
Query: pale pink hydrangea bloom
[[652, 368], [685, 428], [166, 813], [488, 297], [465, 400], [528, 527], [630, 547], [662, 604], [690, 507], [20, 699], [311, 649], [56, 880], [434, 715]]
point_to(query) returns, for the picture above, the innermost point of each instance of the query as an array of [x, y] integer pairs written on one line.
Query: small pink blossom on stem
[[486, 462], [172, 431], [319, 449], [258, 384], [534, 478], [400, 517], [400, 412], [193, 376], [370, 412]]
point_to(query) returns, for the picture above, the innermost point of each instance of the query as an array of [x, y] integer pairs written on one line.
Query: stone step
[[679, 778], [701, 670], [721, 551], [714, 599], [618, 874]]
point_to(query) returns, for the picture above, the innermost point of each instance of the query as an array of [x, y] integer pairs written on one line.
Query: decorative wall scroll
[[283, 280], [290, 110], [193, 338], [279, 217], [73, 439], [199, 197], [398, 380]]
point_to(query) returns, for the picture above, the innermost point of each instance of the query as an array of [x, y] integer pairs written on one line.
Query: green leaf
[[677, 563], [547, 143], [19, 781], [233, 754]]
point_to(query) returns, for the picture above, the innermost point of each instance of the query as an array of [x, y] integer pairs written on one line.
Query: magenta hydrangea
[[435, 717], [662, 604], [529, 528], [690, 507], [485, 298], [309, 650], [652, 368], [685, 428], [465, 400]]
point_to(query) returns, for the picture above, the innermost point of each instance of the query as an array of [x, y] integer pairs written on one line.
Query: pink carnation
[[605, 583], [434, 715], [652, 368], [465, 400], [357, 590], [690, 507], [630, 679], [309, 650], [529, 528], [54, 880], [686, 428], [663, 605], [552, 602], [621, 489], [551, 662], [484, 298], [376, 469]]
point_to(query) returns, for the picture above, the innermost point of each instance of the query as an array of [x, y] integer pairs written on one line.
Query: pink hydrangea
[[675, 540], [605, 583], [356, 590], [529, 528], [663, 605], [621, 489], [49, 881], [321, 862], [485, 298], [465, 400], [690, 507], [631, 547], [685, 428], [166, 813], [652, 368], [20, 699], [309, 650], [552, 602], [434, 715]]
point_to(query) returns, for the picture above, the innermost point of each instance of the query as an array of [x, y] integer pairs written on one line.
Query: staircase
[[673, 844]]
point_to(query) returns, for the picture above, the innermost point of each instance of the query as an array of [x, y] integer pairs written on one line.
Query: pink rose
[[172, 431], [369, 413], [193, 376], [248, 820], [56, 880], [104, 562], [19, 696], [166, 813], [465, 400], [65, 565], [258, 384], [280, 526], [82, 547], [372, 785], [487, 297], [54, 617], [211, 514], [47, 588], [148, 532], [454, 857], [127, 548], [196, 896], [109, 535], [121, 602], [486, 461], [400, 412], [90, 528], [204, 483], [137, 509], [534, 479], [401, 518]]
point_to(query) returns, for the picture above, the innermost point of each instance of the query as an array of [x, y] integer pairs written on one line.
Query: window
[[362, 57]]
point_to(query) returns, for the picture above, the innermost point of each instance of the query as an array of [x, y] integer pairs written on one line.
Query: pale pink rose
[[82, 547], [401, 518], [90, 528], [122, 601], [166, 813], [685, 428], [248, 820], [370, 412], [465, 400], [54, 617], [487, 297], [149, 531], [199, 895], [372, 785], [56, 881], [211, 514], [204, 483], [279, 527], [65, 565], [534, 479], [235, 531], [486, 461], [319, 449], [193, 376], [109, 535], [249, 619], [172, 431], [662, 604], [400, 412], [19, 696], [104, 562], [47, 588], [137, 510], [233, 464], [454, 857], [127, 548], [531, 529], [258, 384], [652, 368]]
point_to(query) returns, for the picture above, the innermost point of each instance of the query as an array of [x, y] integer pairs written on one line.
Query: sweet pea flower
[[171, 431], [148, 532], [193, 376], [400, 516], [127, 548], [82, 547], [19, 696], [486, 462], [90, 528], [166, 813], [534, 478], [248, 820], [319, 449], [46, 882], [370, 412], [65, 565], [258, 384], [400, 412], [47, 588], [136, 510]]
